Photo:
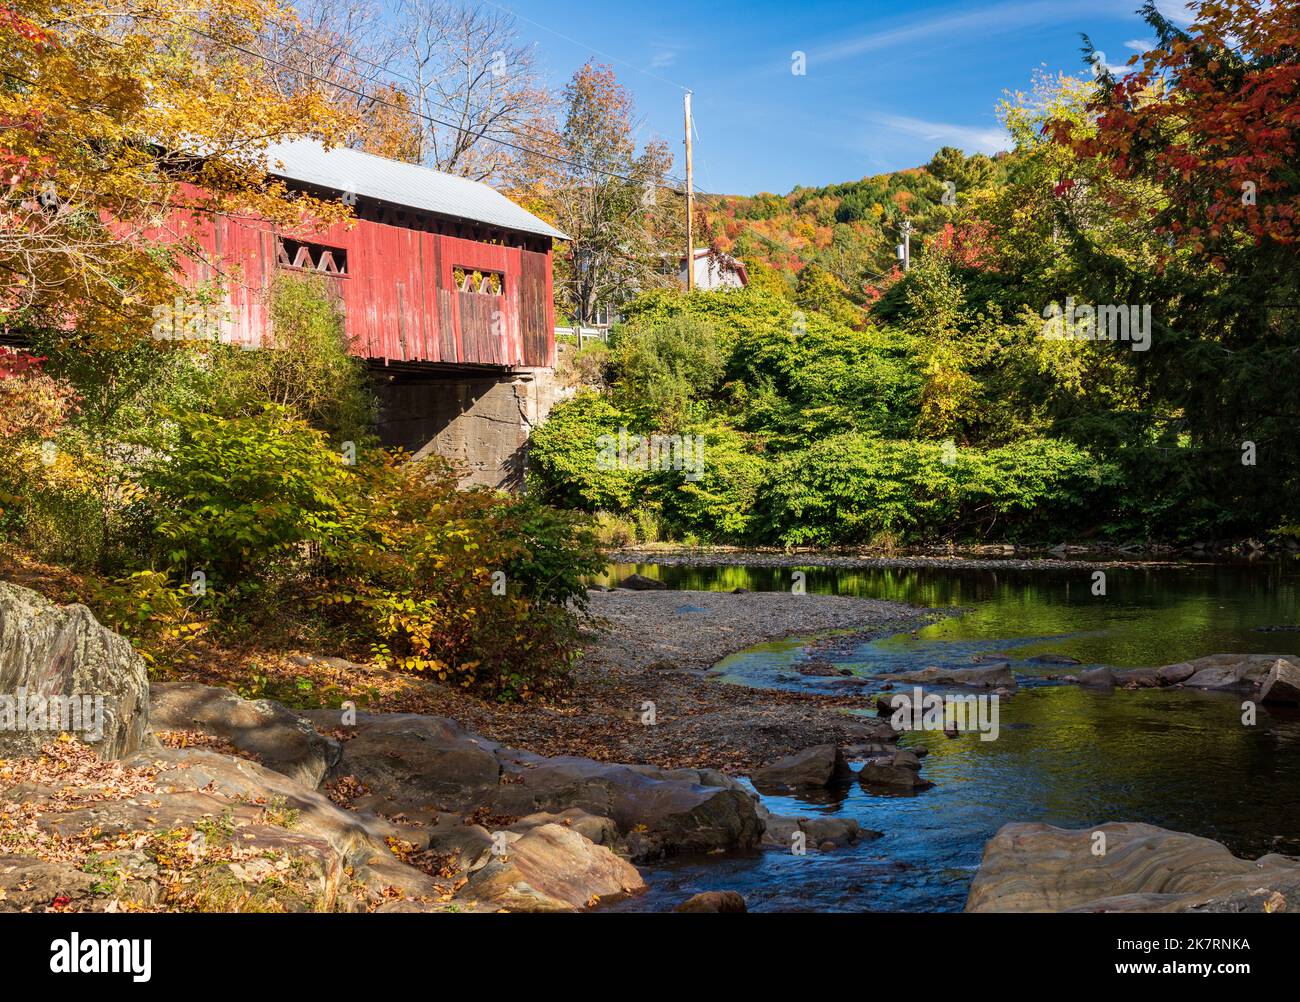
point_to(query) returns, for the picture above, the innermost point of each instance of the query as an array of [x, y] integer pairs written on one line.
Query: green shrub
[[156, 614], [239, 496], [719, 502], [666, 369], [564, 454], [854, 489], [472, 588], [307, 367]]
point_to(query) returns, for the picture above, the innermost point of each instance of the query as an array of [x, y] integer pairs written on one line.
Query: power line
[[396, 107], [349, 54], [583, 45]]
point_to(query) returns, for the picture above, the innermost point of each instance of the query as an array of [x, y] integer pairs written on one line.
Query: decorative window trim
[[478, 281], [298, 255]]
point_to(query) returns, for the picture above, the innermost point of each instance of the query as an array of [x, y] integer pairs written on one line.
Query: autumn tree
[[121, 118], [479, 105], [1193, 151], [624, 223], [967, 173]]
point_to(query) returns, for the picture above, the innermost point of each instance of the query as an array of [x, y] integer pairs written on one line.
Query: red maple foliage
[[1211, 118]]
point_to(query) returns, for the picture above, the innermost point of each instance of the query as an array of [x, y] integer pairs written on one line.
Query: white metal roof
[[409, 185]]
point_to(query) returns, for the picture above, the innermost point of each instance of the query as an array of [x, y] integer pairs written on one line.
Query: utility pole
[[907, 245], [690, 202]]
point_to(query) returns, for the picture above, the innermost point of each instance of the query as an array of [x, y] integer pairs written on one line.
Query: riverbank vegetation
[[207, 490], [839, 402], [195, 491]]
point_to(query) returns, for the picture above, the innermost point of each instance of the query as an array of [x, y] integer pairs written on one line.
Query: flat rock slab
[[413, 763], [358, 838], [421, 765], [1039, 868], [280, 739], [985, 676], [1233, 671], [553, 868], [189, 830]]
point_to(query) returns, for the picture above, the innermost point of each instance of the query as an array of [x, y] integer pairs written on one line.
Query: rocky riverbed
[[196, 799]]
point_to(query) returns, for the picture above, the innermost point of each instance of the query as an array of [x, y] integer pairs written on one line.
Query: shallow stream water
[[1067, 756]]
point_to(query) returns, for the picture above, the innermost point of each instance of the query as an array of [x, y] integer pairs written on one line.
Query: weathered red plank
[[396, 286]]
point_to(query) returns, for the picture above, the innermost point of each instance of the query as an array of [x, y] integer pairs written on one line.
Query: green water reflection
[[1147, 616]]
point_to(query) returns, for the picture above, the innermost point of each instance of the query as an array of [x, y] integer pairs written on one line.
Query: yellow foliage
[[118, 115]]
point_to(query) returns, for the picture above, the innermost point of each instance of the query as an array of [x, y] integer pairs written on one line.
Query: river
[[1067, 756]]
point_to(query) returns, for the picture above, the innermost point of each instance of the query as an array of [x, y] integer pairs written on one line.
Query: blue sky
[[886, 83]]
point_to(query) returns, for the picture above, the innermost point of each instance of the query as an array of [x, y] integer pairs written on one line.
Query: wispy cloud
[[1176, 11], [1140, 44], [959, 24], [1099, 59], [664, 50], [969, 138]]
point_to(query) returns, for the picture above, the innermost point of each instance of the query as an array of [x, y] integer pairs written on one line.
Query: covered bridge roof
[[408, 185]]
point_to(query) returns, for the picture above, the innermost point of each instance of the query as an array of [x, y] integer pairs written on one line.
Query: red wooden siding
[[399, 297]]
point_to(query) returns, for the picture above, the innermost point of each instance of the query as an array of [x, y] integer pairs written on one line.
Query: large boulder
[[278, 738], [1282, 684], [411, 763], [983, 677], [1039, 868], [61, 671], [816, 767], [660, 812], [552, 868], [900, 769]]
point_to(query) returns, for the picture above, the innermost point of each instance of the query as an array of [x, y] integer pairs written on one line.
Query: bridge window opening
[[482, 283], [311, 257]]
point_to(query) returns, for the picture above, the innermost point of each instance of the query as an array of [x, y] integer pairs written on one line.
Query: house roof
[[409, 185], [725, 262]]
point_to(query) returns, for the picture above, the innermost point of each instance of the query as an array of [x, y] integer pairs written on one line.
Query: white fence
[[581, 335]]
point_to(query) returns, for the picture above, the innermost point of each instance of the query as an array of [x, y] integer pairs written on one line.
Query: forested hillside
[[848, 231], [1097, 338]]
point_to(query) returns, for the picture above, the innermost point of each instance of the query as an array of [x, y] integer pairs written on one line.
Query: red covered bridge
[[445, 286], [435, 268]]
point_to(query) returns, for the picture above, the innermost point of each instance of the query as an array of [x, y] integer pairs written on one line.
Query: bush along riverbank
[[186, 796]]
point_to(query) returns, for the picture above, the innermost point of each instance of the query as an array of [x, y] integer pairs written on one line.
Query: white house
[[715, 271]]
